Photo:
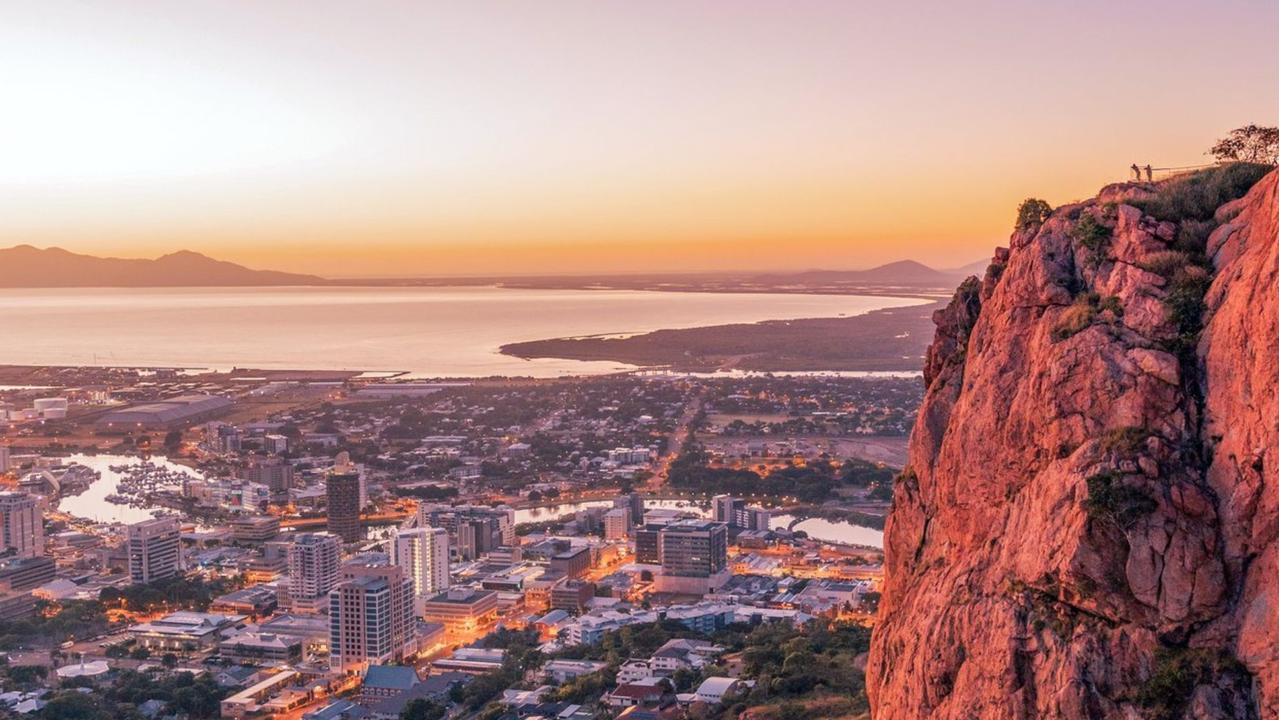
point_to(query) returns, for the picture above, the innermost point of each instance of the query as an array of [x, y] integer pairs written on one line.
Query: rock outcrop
[[1088, 526]]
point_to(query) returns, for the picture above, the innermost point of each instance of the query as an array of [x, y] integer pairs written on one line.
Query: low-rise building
[[384, 681], [714, 690], [463, 611], [562, 671], [257, 647], [184, 631], [473, 661], [572, 595], [255, 601]]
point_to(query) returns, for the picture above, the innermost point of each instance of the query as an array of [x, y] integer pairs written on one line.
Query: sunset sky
[[423, 138]]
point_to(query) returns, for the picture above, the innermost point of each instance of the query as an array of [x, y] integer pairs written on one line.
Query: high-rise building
[[473, 530], [313, 569], [21, 524], [155, 552], [4, 458], [756, 518], [343, 485], [694, 556], [647, 544], [423, 553], [726, 507], [26, 574], [370, 615], [273, 472], [617, 524], [735, 513], [275, 444], [634, 503]]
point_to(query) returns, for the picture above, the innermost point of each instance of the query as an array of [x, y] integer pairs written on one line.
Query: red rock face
[[1085, 513], [1240, 353]]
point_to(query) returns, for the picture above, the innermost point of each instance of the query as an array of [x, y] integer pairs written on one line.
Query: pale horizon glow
[[398, 139]]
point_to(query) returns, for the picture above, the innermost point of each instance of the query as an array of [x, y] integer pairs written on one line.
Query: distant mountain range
[[27, 266], [901, 273]]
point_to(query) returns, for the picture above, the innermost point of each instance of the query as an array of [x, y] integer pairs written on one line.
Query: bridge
[[368, 520]]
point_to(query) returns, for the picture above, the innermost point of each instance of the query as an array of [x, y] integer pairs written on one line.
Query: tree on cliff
[[1031, 212], [1251, 143]]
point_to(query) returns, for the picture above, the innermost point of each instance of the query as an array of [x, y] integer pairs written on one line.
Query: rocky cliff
[[1088, 526]]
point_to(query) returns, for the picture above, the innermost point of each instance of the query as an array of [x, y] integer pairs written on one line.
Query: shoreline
[[889, 339]]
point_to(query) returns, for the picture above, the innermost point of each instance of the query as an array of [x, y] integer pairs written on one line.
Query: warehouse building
[[169, 414]]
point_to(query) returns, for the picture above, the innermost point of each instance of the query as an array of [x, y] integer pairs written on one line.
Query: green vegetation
[[863, 473], [521, 655], [1196, 196], [1176, 673], [1192, 201], [182, 694], [1087, 310], [812, 483], [1250, 143], [1121, 504], [584, 687], [815, 663], [420, 709], [176, 593], [1125, 440], [1031, 212], [1090, 233], [1185, 305], [1165, 262], [55, 623], [810, 666]]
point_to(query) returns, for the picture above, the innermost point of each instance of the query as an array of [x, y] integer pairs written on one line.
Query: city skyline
[[579, 138]]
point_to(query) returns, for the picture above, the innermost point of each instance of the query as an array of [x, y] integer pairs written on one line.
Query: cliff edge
[[1088, 526]]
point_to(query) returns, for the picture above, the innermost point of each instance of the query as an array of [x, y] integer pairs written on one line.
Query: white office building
[[155, 552], [423, 553], [313, 569], [617, 524], [21, 524]]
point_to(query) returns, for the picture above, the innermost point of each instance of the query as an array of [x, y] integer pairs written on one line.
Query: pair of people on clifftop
[[1136, 173]]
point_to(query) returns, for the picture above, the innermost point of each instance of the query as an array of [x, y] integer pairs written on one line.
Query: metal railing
[[1163, 173]]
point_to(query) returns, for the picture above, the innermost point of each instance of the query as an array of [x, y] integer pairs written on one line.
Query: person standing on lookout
[[1136, 172], [1150, 173]]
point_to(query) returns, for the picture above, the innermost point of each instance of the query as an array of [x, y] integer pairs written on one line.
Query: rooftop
[[390, 677]]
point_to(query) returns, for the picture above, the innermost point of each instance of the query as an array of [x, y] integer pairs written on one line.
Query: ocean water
[[437, 331]]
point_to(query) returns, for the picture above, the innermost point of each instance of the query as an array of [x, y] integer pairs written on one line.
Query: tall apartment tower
[[634, 504], [423, 554], [313, 569], [371, 616], [4, 459], [617, 523], [726, 507], [21, 524], [155, 552], [274, 472], [343, 485]]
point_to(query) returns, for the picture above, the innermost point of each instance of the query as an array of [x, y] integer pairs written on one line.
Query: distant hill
[[900, 273], [973, 268], [27, 266]]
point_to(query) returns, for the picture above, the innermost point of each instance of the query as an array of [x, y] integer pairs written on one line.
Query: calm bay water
[[92, 503], [450, 331], [831, 531]]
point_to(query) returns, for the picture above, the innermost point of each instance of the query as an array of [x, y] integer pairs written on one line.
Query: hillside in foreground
[[1088, 526]]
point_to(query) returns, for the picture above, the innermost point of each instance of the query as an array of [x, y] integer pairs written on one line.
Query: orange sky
[[424, 138]]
